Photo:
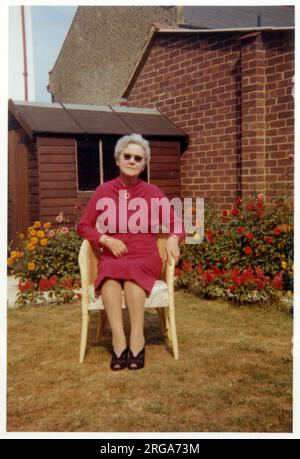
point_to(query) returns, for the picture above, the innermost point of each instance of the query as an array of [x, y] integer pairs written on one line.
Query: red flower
[[277, 281], [43, 285], [186, 267], [66, 283], [238, 202], [235, 212], [240, 229], [26, 285], [199, 269], [260, 197], [177, 272], [277, 231], [247, 250], [53, 281], [250, 236], [210, 236], [259, 205], [78, 206], [250, 206], [268, 239], [259, 213], [217, 271], [224, 259]]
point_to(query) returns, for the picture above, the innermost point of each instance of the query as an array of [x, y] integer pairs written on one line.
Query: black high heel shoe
[[136, 362], [119, 363]]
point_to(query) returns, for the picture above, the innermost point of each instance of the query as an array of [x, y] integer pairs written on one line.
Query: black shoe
[[119, 363], [136, 362]]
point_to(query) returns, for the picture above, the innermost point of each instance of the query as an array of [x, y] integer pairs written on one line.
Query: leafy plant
[[46, 260], [246, 255]]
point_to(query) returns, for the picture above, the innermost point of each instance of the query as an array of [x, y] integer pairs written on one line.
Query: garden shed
[[59, 153]]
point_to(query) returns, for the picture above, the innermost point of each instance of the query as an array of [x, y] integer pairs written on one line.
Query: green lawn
[[234, 373]]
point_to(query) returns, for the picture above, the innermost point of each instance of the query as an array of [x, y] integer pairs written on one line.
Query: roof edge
[[13, 109], [64, 42], [163, 29]]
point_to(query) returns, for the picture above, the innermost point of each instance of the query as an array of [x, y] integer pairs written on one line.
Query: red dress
[[142, 263]]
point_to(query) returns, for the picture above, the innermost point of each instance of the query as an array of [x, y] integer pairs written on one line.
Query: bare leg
[[111, 292], [135, 299]]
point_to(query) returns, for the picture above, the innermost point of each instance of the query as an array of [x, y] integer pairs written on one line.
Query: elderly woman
[[129, 259]]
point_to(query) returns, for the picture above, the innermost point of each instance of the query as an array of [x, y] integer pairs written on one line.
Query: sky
[[50, 25]]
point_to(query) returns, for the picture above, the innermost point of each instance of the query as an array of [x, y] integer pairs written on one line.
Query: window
[[96, 163], [88, 164]]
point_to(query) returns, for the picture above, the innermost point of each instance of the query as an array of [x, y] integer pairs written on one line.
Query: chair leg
[[84, 335], [101, 324], [173, 333]]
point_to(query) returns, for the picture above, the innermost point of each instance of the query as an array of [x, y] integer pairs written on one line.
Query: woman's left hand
[[172, 249]]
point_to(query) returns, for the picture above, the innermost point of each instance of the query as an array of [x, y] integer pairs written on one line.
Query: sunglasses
[[137, 159]]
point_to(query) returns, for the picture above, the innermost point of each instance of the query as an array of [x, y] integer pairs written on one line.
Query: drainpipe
[[25, 74]]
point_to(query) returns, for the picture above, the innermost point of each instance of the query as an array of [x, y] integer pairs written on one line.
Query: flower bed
[[246, 255], [46, 263]]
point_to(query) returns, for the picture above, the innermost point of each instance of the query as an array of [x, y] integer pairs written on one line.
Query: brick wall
[[101, 50], [226, 92]]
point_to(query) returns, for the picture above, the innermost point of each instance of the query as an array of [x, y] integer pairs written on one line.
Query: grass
[[234, 373]]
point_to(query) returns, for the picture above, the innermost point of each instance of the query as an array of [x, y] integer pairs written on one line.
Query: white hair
[[137, 139]]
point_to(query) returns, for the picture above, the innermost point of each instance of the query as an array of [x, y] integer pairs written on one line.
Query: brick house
[[104, 43], [231, 92]]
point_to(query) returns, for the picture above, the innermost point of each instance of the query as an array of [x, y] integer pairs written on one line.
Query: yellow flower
[[283, 264], [37, 224], [34, 240], [30, 246], [47, 225], [40, 234], [32, 232], [21, 236], [10, 261], [31, 266], [196, 236], [43, 242], [14, 254]]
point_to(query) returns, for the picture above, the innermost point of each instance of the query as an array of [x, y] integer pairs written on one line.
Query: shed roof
[[58, 118]]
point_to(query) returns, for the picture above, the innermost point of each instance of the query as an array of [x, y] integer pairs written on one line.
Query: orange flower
[[31, 266], [40, 234], [10, 261], [43, 242], [37, 225], [21, 236], [34, 240], [32, 232], [30, 246], [47, 225]]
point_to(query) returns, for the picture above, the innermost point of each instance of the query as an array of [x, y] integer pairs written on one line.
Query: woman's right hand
[[117, 247]]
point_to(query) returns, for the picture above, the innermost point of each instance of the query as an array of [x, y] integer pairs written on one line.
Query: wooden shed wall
[[58, 180], [18, 206], [57, 177], [165, 167], [33, 184]]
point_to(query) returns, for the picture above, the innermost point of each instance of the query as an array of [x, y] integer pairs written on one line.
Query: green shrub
[[246, 255], [46, 260]]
